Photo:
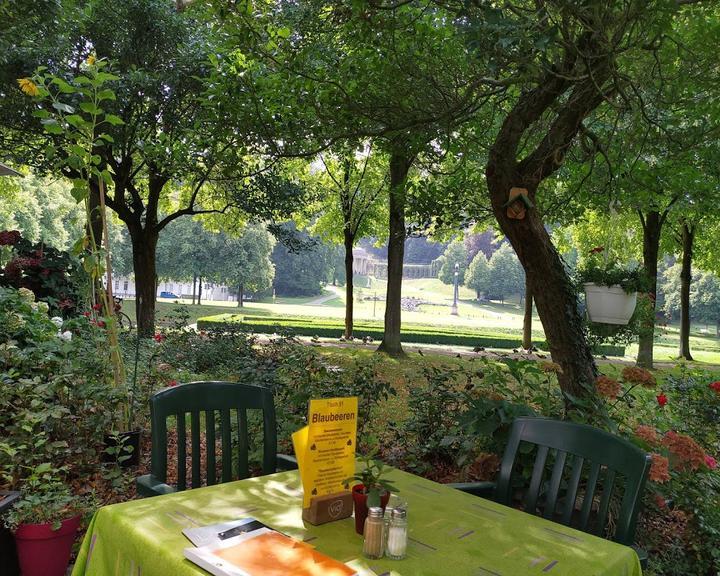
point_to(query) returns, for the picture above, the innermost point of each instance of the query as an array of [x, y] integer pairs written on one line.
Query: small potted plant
[[44, 521], [373, 490], [610, 289]]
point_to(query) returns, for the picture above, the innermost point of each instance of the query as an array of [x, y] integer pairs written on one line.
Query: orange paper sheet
[[273, 554]]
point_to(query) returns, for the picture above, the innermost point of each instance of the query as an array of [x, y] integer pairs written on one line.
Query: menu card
[[325, 448]]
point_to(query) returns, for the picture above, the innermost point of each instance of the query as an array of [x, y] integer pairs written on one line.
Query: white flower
[[43, 307], [67, 336], [57, 321], [27, 295]]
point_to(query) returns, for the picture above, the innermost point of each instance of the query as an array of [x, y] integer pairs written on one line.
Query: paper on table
[[207, 535], [267, 553]]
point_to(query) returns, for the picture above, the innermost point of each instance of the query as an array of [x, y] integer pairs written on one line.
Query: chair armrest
[[148, 485], [642, 554], [482, 489], [286, 462]]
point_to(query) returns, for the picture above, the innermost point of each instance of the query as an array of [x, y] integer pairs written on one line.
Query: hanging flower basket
[[609, 304]]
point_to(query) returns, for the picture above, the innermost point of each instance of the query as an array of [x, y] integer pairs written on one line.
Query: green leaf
[[90, 108], [63, 107], [53, 127], [114, 120], [106, 94], [75, 120], [79, 192], [105, 77], [65, 88], [77, 150], [41, 114]]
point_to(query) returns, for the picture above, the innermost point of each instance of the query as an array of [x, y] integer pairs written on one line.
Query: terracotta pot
[[361, 507], [609, 304], [43, 551], [128, 440]]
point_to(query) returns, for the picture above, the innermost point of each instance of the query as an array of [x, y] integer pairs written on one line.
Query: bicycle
[[124, 321]]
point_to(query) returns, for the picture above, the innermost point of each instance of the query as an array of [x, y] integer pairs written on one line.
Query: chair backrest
[[597, 464], [210, 397]]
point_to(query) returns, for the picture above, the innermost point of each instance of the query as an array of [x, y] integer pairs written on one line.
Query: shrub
[[55, 392], [54, 276]]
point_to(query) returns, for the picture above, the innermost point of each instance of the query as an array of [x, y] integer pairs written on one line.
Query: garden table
[[450, 532]]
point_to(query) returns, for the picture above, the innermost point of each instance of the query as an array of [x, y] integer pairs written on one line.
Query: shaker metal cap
[[375, 512], [399, 513]]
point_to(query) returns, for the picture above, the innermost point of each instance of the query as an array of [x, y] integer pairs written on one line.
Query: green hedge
[[333, 328]]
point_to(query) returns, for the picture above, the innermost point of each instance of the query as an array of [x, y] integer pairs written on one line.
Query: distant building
[[365, 264], [124, 287]]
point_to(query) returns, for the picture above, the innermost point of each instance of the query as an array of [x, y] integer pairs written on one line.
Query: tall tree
[[245, 261], [188, 251], [355, 187], [455, 253], [478, 275], [506, 274], [581, 59]]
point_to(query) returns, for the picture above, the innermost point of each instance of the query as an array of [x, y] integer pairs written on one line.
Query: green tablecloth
[[450, 533]]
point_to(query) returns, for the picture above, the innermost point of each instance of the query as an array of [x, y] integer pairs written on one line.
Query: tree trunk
[[349, 302], [555, 298], [652, 227], [94, 226], [194, 287], [688, 237], [240, 295], [527, 319], [144, 245], [399, 167], [199, 289]]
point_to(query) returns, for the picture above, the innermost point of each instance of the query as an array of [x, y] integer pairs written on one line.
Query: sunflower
[[28, 86]]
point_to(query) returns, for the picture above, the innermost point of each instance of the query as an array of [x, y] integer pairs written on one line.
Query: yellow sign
[[325, 448]]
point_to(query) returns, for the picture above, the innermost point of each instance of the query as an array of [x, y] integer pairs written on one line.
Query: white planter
[[609, 304]]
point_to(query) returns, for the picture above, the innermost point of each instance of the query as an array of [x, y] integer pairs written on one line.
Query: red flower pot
[[361, 508], [43, 551]]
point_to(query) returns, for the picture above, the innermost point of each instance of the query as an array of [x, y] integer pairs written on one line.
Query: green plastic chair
[[586, 462], [195, 398]]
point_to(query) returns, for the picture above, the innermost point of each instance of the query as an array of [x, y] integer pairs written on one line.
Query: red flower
[[710, 461], [172, 383], [661, 399], [86, 314], [97, 307], [716, 386], [9, 237], [159, 337], [597, 250], [101, 323]]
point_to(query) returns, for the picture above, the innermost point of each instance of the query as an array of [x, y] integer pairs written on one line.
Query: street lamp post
[[454, 310]]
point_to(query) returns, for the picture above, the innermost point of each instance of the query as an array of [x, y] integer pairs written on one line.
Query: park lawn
[[480, 318], [164, 309]]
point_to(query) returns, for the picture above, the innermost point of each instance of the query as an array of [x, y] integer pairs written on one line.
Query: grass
[[415, 333], [476, 318]]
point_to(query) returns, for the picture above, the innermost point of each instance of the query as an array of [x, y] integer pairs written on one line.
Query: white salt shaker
[[397, 534]]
